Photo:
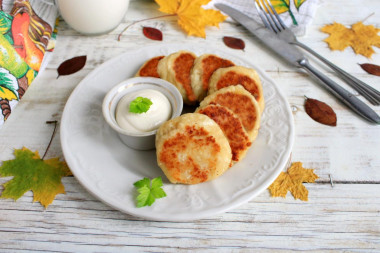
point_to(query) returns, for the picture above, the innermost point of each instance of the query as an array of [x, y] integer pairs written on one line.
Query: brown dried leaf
[[320, 112], [152, 33], [72, 65], [371, 68], [292, 181], [234, 43]]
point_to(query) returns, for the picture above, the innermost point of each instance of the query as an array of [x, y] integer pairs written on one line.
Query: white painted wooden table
[[344, 216]]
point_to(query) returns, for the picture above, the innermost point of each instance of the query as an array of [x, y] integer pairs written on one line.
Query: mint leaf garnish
[[149, 191], [143, 182], [140, 105]]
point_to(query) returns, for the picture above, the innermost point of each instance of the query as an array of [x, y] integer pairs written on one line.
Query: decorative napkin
[[296, 14], [27, 39]]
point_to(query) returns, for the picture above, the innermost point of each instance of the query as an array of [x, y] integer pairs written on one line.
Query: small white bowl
[[146, 140]]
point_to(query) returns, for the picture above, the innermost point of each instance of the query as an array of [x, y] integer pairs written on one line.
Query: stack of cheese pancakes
[[200, 146]]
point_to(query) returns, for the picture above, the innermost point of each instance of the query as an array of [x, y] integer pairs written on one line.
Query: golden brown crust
[[192, 149], [204, 67], [150, 67], [231, 127], [235, 75], [198, 147], [242, 103], [176, 68]]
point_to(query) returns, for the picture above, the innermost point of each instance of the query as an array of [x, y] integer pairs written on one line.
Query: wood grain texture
[[345, 217]]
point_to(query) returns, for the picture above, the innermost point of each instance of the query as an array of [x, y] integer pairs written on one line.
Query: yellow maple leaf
[[292, 181], [30, 172], [360, 37], [191, 16], [281, 6]]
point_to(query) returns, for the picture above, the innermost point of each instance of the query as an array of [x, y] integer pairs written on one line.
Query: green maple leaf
[[30, 172], [149, 191]]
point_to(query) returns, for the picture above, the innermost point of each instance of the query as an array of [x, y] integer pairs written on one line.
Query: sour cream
[[159, 112]]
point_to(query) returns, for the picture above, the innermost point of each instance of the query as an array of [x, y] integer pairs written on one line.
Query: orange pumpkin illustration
[[24, 46]]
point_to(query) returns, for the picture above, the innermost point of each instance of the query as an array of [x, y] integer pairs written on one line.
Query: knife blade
[[270, 39], [296, 58]]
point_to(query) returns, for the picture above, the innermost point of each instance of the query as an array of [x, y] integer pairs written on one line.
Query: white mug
[[93, 17]]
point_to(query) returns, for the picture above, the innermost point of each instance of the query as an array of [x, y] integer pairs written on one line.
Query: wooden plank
[[344, 217]]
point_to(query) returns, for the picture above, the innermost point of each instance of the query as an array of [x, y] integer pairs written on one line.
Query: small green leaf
[[143, 196], [149, 191], [143, 182], [158, 193], [140, 105], [157, 182], [150, 200]]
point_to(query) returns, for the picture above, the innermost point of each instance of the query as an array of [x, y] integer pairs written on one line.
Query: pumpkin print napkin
[[27, 39], [296, 14]]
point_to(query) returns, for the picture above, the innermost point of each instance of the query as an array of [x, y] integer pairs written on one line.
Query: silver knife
[[295, 57]]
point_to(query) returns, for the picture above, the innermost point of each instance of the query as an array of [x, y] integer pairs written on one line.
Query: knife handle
[[345, 96]]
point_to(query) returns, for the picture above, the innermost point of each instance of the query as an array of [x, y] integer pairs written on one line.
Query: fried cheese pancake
[[232, 128], [204, 67], [192, 149], [150, 67], [235, 75], [242, 103], [175, 68]]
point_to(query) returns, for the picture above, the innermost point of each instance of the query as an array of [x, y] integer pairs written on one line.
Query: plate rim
[[200, 214]]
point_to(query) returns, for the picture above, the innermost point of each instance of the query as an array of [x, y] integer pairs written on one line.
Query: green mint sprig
[[140, 105], [149, 191]]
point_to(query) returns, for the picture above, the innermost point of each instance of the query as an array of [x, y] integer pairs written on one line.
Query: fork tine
[[268, 22], [275, 22], [262, 16], [277, 16]]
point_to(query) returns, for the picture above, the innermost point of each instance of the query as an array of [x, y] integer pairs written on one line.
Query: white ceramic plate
[[107, 168]]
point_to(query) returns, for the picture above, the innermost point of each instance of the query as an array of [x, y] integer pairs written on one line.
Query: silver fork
[[275, 24]]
